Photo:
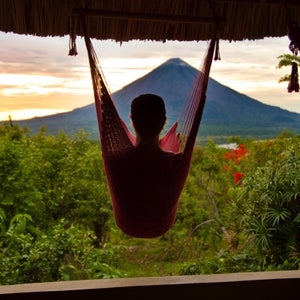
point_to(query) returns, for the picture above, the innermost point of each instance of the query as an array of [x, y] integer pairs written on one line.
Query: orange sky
[[37, 77]]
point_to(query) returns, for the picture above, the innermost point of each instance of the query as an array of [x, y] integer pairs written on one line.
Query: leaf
[[276, 216], [297, 219], [285, 78], [287, 60]]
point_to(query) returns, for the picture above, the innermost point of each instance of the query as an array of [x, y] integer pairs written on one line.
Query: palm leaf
[[284, 78], [287, 60]]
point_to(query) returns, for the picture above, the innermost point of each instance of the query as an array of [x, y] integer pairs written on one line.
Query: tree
[[55, 210]]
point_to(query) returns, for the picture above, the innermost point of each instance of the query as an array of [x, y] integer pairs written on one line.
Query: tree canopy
[[239, 211]]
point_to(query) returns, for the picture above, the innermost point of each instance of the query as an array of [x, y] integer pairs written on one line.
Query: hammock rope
[[148, 209], [192, 110], [114, 134]]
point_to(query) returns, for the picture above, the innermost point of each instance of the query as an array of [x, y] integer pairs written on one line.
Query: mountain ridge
[[226, 113]]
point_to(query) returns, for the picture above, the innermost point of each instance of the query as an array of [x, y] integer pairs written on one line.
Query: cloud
[[53, 80]]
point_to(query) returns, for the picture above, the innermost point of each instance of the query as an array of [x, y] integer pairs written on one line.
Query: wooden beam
[[279, 285], [122, 15]]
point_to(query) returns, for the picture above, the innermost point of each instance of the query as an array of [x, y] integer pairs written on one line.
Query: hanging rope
[[217, 51], [294, 79], [294, 46], [195, 101], [72, 44], [72, 37]]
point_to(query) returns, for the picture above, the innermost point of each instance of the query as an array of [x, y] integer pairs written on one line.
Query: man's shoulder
[[138, 156]]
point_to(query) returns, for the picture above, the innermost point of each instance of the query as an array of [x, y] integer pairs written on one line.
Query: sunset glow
[[27, 114], [39, 78]]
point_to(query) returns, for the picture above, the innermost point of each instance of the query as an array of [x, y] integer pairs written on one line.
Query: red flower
[[238, 177], [236, 154]]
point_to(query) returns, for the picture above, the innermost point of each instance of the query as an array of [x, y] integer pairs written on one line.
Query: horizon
[[40, 79], [164, 63]]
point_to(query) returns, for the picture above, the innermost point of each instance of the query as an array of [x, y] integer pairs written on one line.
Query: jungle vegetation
[[239, 211]]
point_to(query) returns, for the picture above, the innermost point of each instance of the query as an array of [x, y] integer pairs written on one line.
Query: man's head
[[148, 115]]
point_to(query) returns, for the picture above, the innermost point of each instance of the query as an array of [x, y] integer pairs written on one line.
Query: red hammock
[[145, 190]]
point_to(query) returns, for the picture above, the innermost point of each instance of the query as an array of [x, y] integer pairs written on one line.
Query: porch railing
[[283, 285]]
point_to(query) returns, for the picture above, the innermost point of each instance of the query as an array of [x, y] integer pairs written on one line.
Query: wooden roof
[[160, 20]]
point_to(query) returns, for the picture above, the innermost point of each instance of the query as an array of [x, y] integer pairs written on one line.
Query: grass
[[148, 258]]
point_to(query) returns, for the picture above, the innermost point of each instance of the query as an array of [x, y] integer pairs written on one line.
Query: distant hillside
[[227, 112]]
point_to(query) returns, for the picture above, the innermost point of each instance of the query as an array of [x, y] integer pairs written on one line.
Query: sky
[[37, 77]]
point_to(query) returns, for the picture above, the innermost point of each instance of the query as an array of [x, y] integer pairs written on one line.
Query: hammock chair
[[145, 194]]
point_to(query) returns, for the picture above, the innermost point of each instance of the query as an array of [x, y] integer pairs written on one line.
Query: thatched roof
[[160, 20]]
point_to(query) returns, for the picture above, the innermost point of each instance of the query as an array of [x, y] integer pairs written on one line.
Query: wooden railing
[[283, 285]]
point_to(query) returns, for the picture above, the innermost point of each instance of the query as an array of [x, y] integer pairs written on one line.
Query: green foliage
[[222, 263], [286, 60], [52, 177], [239, 211], [62, 253], [267, 207], [44, 179]]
